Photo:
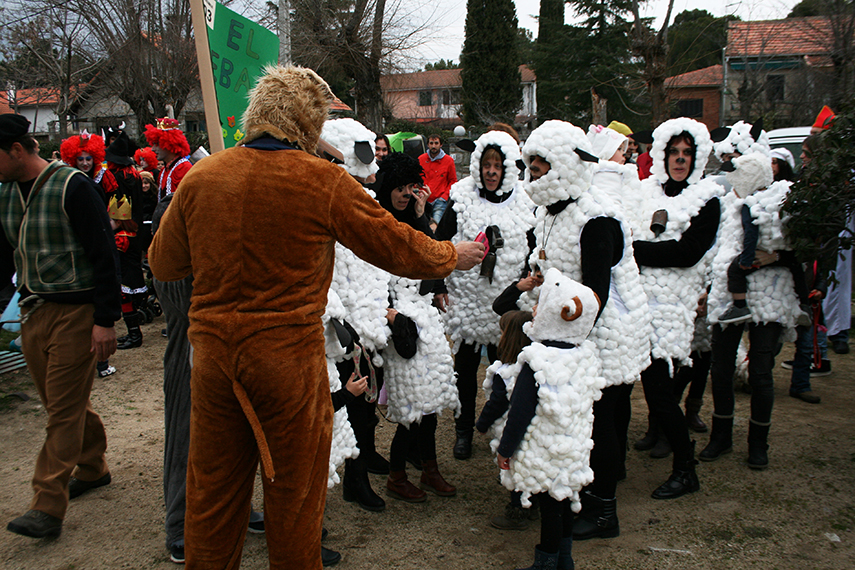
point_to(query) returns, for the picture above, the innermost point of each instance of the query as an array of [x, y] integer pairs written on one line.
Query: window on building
[[192, 126], [774, 88], [692, 108], [425, 99]]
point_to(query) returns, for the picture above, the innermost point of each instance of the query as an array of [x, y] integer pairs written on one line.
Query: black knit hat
[[12, 127]]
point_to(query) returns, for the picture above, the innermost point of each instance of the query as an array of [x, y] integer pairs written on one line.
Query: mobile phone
[[482, 238]]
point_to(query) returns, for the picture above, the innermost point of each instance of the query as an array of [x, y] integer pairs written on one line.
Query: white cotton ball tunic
[[771, 293], [470, 317], [343, 444], [621, 334], [740, 140], [673, 292], [508, 373], [555, 453], [426, 383]]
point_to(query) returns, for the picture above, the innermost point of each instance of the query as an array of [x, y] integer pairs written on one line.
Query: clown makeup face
[[678, 159], [538, 168], [401, 196], [85, 162]]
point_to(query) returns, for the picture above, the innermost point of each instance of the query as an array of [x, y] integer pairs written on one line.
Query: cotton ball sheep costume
[[362, 287], [343, 439], [620, 182], [673, 291], [621, 334], [771, 293], [740, 140], [426, 383], [509, 373], [470, 317], [555, 452]]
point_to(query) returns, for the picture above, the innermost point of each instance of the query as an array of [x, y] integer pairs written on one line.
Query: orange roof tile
[[339, 105], [706, 77], [4, 103], [792, 36], [435, 79]]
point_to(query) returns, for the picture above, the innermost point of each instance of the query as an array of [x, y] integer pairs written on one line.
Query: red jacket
[[439, 175]]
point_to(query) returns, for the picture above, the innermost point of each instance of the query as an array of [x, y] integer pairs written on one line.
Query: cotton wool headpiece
[[671, 128], [569, 176], [355, 142], [510, 151], [751, 172], [604, 141], [740, 139], [566, 310]]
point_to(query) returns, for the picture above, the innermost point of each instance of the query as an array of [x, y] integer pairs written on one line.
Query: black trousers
[[611, 421], [466, 363], [665, 410], [422, 434]]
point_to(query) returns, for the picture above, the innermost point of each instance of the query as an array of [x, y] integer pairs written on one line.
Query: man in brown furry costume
[[261, 251]]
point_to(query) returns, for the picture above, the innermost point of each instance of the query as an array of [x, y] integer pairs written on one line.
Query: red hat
[[167, 136], [824, 119], [148, 156], [72, 147]]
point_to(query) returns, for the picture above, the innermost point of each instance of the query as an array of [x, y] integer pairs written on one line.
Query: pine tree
[[548, 53], [489, 63]]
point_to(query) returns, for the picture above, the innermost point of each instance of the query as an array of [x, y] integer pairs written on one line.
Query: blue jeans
[[438, 209], [800, 380]]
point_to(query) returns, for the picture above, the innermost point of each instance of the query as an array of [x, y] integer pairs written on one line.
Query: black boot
[[463, 445], [543, 560], [757, 446], [357, 488], [134, 338], [693, 418], [565, 554], [721, 439], [329, 557], [598, 518], [662, 449], [683, 480], [374, 462], [649, 440]]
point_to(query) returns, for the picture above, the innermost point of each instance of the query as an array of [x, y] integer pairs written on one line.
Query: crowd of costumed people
[[606, 265]]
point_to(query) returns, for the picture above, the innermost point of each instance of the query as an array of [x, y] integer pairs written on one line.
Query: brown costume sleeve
[[169, 252]]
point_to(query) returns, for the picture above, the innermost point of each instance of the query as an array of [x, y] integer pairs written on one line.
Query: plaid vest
[[48, 256]]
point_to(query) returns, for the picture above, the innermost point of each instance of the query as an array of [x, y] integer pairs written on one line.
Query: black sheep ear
[[756, 129], [727, 166], [719, 134], [363, 152], [466, 144], [586, 156], [643, 137], [521, 164]]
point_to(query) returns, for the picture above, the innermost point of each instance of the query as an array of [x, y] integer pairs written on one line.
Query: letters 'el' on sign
[[240, 49]]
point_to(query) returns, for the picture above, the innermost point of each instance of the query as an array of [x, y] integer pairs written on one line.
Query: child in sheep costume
[[261, 252], [584, 234], [613, 175], [675, 230], [774, 308], [474, 207], [364, 292], [545, 444], [750, 176]]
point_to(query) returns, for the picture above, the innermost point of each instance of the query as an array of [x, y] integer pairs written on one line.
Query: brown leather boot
[[399, 487], [432, 480]]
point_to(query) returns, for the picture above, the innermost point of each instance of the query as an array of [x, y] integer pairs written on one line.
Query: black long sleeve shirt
[[690, 248]]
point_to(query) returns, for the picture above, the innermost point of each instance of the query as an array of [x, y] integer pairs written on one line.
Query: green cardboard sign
[[240, 49]]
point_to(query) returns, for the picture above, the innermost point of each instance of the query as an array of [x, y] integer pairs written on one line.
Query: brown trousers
[[56, 341], [286, 384]]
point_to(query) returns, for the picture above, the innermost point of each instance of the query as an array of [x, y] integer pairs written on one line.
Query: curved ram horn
[[565, 311]]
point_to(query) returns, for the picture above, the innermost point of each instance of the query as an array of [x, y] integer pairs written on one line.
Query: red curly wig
[[72, 147], [171, 140], [148, 156]]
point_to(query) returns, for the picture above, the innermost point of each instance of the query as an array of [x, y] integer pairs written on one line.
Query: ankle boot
[[463, 445], [329, 557], [721, 439], [693, 419], [543, 560], [433, 481], [356, 487], [399, 487], [650, 438], [374, 462], [683, 480], [565, 554], [757, 446], [597, 519], [662, 449], [134, 340]]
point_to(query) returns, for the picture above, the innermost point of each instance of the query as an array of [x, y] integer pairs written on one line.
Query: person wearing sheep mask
[[548, 456], [736, 140], [585, 235], [488, 201], [774, 309], [364, 292], [675, 229]]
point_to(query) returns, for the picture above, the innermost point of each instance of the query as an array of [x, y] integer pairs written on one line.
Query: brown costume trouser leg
[[288, 390], [56, 340]]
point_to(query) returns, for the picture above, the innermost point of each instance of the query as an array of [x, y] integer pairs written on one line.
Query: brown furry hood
[[290, 104]]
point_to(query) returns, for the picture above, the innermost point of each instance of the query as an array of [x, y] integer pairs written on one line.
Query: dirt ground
[[798, 514]]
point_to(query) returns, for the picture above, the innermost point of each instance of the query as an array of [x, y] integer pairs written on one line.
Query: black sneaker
[[823, 370], [787, 365], [36, 524], [256, 522], [329, 557], [735, 315], [176, 552], [76, 487]]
